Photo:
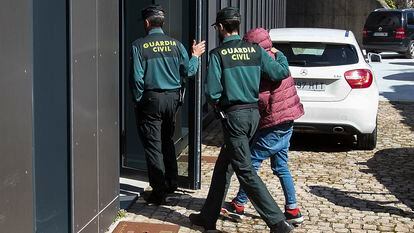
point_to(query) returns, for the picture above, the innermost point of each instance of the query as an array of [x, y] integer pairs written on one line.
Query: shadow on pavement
[[405, 108], [393, 168], [163, 213], [403, 63], [393, 56], [407, 76], [344, 199], [322, 142]]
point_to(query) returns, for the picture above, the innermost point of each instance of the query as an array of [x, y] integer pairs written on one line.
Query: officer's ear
[[147, 23], [220, 27]]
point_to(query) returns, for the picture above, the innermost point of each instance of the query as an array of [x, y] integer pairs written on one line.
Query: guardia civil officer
[[233, 79], [159, 62]]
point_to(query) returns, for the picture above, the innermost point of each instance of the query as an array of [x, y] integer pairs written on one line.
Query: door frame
[[193, 138]]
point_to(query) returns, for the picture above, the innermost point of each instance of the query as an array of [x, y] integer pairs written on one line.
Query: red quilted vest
[[278, 101]]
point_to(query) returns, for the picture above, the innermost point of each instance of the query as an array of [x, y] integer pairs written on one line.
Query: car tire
[[367, 141], [410, 51]]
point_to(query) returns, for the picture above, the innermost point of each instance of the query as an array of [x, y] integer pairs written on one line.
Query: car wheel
[[410, 52], [367, 141]]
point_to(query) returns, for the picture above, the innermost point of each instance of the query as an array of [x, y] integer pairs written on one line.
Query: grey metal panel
[[84, 112], [249, 15], [263, 13], [213, 7], [108, 101], [224, 3], [272, 13], [266, 13], [92, 227], [242, 7], [16, 189], [259, 13], [254, 14], [276, 11], [235, 3], [106, 217], [50, 116]]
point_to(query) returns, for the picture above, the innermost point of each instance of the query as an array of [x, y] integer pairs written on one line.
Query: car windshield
[[384, 19], [318, 54]]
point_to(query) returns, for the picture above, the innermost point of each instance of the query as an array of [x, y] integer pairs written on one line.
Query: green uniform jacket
[[159, 63], [235, 68]]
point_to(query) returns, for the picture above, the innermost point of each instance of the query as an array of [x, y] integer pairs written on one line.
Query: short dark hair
[[156, 21], [231, 25]]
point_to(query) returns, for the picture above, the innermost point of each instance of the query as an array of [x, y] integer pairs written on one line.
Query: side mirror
[[374, 57]]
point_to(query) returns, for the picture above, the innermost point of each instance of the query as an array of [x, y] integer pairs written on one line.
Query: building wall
[[59, 130], [261, 13], [16, 118], [340, 14], [94, 81]]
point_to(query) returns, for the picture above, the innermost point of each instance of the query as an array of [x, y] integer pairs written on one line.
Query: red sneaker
[[233, 210], [294, 216]]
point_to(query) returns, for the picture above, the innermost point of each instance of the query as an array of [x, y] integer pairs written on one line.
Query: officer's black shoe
[[197, 220], [155, 199], [171, 189], [281, 227]]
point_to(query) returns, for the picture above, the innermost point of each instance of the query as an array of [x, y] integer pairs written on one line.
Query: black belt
[[240, 106], [163, 90]]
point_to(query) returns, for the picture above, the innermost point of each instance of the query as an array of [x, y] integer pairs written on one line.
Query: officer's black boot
[[281, 227], [197, 219], [155, 198]]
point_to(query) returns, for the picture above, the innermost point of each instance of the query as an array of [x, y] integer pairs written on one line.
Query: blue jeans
[[273, 142]]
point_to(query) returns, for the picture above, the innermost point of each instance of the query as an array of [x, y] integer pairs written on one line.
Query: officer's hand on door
[[198, 49]]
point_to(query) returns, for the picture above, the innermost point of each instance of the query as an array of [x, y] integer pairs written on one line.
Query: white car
[[335, 83]]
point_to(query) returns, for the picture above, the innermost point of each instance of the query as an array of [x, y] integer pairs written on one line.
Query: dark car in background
[[390, 30]]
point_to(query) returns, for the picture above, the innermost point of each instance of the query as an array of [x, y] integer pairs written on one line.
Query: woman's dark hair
[[231, 25], [156, 21]]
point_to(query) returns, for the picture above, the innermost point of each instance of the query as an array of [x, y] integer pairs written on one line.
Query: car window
[[410, 19], [384, 19], [318, 54]]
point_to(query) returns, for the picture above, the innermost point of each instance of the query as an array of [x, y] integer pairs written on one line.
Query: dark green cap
[[153, 10], [228, 13]]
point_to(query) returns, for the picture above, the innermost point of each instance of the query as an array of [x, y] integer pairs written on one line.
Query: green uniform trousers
[[155, 115], [239, 128]]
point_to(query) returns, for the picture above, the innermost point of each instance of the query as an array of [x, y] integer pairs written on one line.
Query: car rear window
[[318, 54], [384, 19]]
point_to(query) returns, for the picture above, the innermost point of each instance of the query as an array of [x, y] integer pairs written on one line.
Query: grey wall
[[16, 141], [94, 60], [259, 13], [340, 14]]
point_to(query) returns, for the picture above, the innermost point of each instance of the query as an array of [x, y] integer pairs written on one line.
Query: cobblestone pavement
[[338, 189]]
